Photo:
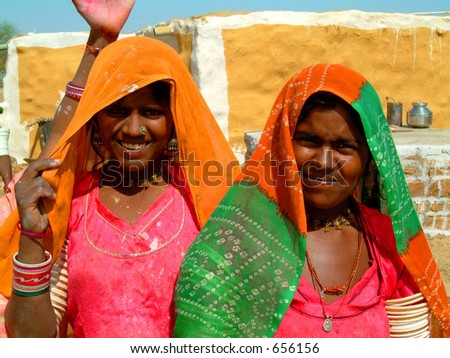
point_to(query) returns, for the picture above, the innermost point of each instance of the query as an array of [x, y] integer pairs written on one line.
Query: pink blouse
[[363, 313], [121, 275]]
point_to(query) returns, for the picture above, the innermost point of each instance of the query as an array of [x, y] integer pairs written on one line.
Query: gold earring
[[172, 147], [97, 142], [143, 130]]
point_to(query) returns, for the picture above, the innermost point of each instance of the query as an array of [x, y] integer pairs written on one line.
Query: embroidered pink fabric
[[363, 313], [122, 276]]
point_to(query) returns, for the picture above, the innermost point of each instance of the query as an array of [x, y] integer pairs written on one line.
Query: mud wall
[[241, 61]]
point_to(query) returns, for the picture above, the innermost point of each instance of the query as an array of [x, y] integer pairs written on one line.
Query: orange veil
[[121, 68]]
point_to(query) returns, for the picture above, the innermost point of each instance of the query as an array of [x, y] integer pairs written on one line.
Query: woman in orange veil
[[154, 240]]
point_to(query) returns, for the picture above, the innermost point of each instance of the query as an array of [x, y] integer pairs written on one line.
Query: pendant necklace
[[334, 290]]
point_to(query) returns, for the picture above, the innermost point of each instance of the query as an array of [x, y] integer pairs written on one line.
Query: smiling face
[[121, 124], [331, 154]]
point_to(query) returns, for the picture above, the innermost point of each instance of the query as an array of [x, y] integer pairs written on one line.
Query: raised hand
[[106, 19], [29, 191], [105, 16]]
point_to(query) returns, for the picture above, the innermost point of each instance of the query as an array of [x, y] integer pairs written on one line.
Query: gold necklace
[[147, 183], [137, 254], [334, 290], [336, 223]]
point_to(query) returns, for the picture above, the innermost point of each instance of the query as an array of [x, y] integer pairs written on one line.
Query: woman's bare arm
[[106, 19]]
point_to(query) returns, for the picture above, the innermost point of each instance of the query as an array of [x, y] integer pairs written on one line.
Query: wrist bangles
[[31, 279]]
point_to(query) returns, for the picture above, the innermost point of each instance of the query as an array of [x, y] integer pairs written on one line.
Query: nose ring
[[143, 130]]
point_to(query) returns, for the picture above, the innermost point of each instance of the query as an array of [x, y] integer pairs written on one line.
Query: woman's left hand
[[29, 191]]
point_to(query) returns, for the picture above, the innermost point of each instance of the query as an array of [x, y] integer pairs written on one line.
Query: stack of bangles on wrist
[[74, 91], [31, 279]]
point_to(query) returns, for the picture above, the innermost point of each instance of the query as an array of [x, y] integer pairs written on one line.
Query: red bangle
[[74, 91], [94, 50], [32, 234], [31, 279]]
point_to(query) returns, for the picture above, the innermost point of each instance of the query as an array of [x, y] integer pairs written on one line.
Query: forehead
[[157, 93], [145, 94], [331, 122]]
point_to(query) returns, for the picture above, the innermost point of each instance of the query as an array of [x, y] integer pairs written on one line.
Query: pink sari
[[121, 282]]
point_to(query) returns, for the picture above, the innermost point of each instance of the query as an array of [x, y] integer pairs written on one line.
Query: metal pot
[[394, 112], [419, 116]]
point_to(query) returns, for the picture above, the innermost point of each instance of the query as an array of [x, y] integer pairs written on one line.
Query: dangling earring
[[171, 148], [97, 141]]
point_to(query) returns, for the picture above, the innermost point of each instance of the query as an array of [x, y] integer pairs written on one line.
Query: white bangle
[[4, 138]]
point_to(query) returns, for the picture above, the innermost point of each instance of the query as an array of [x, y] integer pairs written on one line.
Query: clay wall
[[241, 61]]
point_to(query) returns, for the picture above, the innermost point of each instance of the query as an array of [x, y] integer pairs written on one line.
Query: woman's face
[[331, 154], [121, 125]]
